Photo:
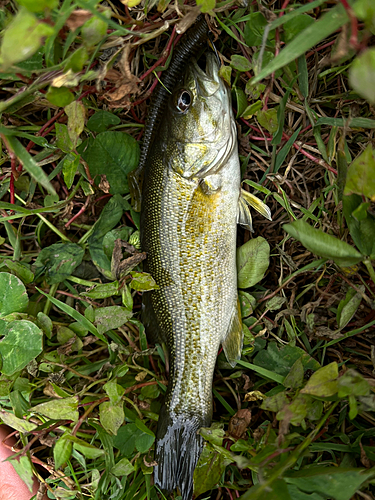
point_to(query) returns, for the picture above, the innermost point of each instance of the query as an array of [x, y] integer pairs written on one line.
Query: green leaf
[[63, 140], [76, 113], [59, 409], [125, 439], [362, 74], [210, 468], [29, 164], [240, 63], [275, 403], [59, 96], [142, 282], [361, 175], [110, 216], [114, 391], [19, 424], [349, 307], [365, 11], [23, 342], [88, 450], [45, 323], [111, 416], [206, 5], [252, 109], [75, 315], [38, 5], [69, 170], [24, 469], [62, 450], [22, 38], [254, 29], [143, 428], [241, 100], [102, 120], [95, 29], [347, 122], [252, 262], [336, 483], [296, 411], [114, 154], [110, 238], [294, 378], [123, 468], [323, 383], [111, 317], [323, 244], [247, 303], [13, 295], [143, 442], [294, 26], [331, 21], [276, 490], [268, 119], [225, 72], [282, 360], [102, 291], [21, 270], [275, 303], [361, 230], [352, 384], [145, 438], [58, 261], [77, 61]]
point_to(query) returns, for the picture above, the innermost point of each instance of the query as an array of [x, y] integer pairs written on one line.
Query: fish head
[[200, 129]]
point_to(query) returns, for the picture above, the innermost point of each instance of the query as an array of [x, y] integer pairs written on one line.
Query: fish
[[191, 203]]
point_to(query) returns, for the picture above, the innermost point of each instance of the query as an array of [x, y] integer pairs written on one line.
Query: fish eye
[[183, 101]]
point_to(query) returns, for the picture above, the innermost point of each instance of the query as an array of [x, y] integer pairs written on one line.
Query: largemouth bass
[[191, 203]]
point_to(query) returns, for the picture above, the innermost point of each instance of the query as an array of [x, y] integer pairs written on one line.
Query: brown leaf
[[113, 75], [77, 18], [365, 461], [124, 89], [239, 423], [104, 184]]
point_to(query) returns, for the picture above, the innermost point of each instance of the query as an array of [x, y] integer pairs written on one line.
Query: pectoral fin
[[135, 181], [232, 344], [243, 215], [249, 200]]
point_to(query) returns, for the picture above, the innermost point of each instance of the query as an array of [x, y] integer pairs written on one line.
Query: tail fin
[[178, 448]]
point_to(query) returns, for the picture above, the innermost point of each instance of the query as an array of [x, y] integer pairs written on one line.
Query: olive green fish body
[[189, 217]]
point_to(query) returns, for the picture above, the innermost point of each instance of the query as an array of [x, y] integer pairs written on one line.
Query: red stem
[[81, 211], [353, 22]]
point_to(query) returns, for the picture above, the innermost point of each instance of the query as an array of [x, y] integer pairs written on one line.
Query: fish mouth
[[206, 73]]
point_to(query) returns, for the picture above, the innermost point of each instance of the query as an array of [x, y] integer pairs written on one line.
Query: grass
[[79, 382]]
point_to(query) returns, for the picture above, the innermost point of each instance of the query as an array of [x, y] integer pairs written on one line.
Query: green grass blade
[[75, 315], [262, 371], [29, 164], [312, 35]]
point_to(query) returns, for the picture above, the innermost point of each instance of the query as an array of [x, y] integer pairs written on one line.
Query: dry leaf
[[77, 18]]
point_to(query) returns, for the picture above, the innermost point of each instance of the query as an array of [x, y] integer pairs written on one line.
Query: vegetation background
[[79, 384]]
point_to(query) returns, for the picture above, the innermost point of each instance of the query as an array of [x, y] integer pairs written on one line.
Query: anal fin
[[232, 343]]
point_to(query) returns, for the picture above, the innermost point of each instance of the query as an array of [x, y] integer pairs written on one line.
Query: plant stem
[[370, 269]]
